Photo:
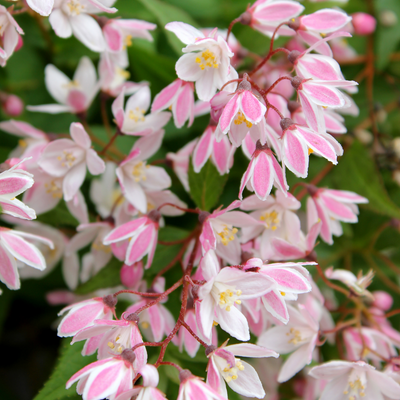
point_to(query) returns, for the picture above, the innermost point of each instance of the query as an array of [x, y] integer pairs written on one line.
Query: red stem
[[236, 20], [276, 82], [143, 294], [189, 329], [189, 210], [109, 144], [268, 56]]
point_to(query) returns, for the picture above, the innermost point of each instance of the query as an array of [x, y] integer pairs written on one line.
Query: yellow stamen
[[207, 59], [240, 118]]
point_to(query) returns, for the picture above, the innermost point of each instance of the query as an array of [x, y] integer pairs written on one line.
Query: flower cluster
[[248, 269]]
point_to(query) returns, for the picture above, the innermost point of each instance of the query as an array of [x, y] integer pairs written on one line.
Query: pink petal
[[183, 106], [220, 155], [77, 100], [79, 135], [251, 106], [325, 21], [8, 270], [166, 97], [185, 32], [113, 37], [263, 176], [246, 177], [323, 95], [95, 164], [275, 304], [229, 113], [287, 250], [312, 113], [277, 11], [295, 154], [124, 231], [203, 149], [139, 246]]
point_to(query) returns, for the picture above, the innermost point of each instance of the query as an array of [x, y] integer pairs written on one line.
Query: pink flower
[[298, 337], [133, 120], [13, 182], [278, 220], [185, 339], [13, 105], [331, 206], [73, 96], [142, 234], [111, 338], [266, 15], [298, 142], [179, 96], [355, 379], [69, 158], [72, 17], [363, 24], [83, 314], [104, 378], [9, 34], [240, 376], [207, 62], [217, 299], [221, 151], [218, 232], [13, 247], [262, 173], [193, 388]]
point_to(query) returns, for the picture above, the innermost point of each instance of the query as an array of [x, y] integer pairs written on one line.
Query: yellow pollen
[[111, 345], [310, 151], [98, 245], [53, 189], [355, 389], [22, 143], [127, 41], [75, 7], [124, 74], [139, 171], [137, 114], [323, 35], [71, 85], [283, 293], [145, 324], [231, 373], [215, 323], [227, 235], [207, 59], [241, 118], [67, 159], [271, 220], [228, 298], [296, 336]]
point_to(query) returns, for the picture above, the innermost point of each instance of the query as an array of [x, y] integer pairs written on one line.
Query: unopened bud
[[203, 216], [13, 105], [210, 349], [128, 355], [261, 147], [110, 301], [293, 106], [294, 24], [286, 123], [293, 56], [245, 18], [184, 375], [363, 24], [244, 85], [20, 43], [154, 215], [382, 300], [131, 274], [296, 82], [312, 190], [132, 317]]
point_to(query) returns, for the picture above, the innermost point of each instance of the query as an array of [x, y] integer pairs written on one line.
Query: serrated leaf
[[206, 186], [165, 254], [69, 362], [357, 172], [58, 216], [107, 277], [168, 13]]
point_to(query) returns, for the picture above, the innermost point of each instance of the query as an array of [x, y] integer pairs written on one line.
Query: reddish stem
[[189, 210], [189, 329], [267, 58], [171, 364], [276, 82], [233, 80], [330, 284], [109, 144], [236, 20], [143, 294]]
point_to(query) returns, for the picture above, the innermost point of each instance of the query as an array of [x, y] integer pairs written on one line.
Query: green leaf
[[69, 362], [58, 216], [206, 186], [106, 278], [167, 13], [356, 171], [165, 254]]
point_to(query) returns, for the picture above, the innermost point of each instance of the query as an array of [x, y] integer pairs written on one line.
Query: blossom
[[73, 96], [135, 176], [103, 378], [13, 182], [263, 172], [218, 297], [142, 234], [14, 245], [9, 34], [330, 207], [355, 380], [185, 339], [363, 24], [193, 388], [238, 374], [207, 62], [72, 17], [133, 120], [69, 158], [298, 337]]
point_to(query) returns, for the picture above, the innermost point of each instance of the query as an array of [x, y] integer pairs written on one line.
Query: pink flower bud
[[13, 105], [131, 275], [382, 300], [364, 24], [20, 43]]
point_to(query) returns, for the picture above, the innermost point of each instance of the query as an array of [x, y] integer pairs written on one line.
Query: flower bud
[[20, 43], [131, 274], [128, 355], [13, 105], [154, 215], [184, 375], [286, 123], [210, 349], [110, 301], [293, 106], [245, 18], [294, 24], [364, 24], [296, 81], [293, 56], [132, 317], [203, 216], [382, 300]]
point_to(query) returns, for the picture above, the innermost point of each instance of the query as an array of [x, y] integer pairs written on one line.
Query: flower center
[[53, 189], [137, 114], [122, 73], [295, 336], [229, 373], [207, 59], [139, 171], [227, 235], [116, 346], [75, 7], [226, 296], [355, 389], [72, 85], [270, 219], [67, 159], [98, 245], [240, 118], [22, 143], [127, 41]]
